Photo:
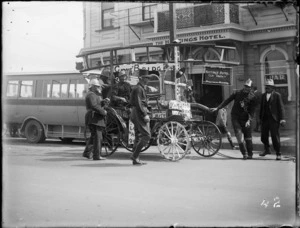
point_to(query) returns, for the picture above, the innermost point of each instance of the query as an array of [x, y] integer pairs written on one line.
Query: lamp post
[[173, 22]]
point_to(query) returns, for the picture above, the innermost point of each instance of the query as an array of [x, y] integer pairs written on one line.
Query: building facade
[[263, 38]]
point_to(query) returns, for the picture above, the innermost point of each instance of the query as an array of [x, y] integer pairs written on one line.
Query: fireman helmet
[[94, 82]]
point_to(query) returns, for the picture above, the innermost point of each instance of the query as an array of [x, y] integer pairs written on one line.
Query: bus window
[[64, 88], [47, 88], [26, 88], [81, 88], [72, 89], [12, 89], [39, 88], [55, 89]]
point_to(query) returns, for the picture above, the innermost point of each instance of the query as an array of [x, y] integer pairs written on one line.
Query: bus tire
[[34, 132]]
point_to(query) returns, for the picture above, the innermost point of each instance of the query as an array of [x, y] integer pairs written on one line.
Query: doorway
[[206, 94]]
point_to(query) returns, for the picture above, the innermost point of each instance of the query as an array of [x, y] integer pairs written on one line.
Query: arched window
[[276, 69]]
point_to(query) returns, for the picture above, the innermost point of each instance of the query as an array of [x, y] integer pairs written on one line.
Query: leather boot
[[243, 150], [249, 146], [267, 151], [88, 151]]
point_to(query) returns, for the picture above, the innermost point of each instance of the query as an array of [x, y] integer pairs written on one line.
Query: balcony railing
[[202, 15]]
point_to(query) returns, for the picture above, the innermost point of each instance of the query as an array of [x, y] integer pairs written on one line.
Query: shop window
[[107, 17], [12, 89], [26, 89], [276, 69]]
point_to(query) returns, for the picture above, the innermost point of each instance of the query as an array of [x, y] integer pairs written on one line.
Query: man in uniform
[[140, 118], [95, 119], [121, 91], [241, 116]]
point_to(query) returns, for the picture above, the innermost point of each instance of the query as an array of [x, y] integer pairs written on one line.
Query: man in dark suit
[[140, 118], [120, 93], [95, 119], [272, 116]]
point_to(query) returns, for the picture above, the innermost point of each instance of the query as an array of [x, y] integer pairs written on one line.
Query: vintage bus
[[45, 105]]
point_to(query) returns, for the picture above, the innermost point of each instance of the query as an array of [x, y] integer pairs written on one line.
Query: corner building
[[264, 35]]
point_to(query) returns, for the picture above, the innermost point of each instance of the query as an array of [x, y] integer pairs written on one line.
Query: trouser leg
[[230, 139], [142, 131], [248, 139], [265, 128], [274, 129], [97, 142], [239, 135], [88, 148]]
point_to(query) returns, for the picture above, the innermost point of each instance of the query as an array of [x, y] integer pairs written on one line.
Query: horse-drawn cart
[[176, 125]]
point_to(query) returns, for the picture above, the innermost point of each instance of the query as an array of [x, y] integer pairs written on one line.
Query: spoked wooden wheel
[[206, 138], [173, 141], [111, 135]]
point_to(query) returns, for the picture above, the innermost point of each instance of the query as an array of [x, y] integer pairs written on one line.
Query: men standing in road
[[95, 119], [121, 91], [272, 115], [140, 118], [241, 116]]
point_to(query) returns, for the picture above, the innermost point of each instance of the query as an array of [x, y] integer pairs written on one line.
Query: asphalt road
[[50, 184]]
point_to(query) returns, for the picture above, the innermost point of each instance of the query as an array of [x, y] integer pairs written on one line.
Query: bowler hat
[[269, 82]]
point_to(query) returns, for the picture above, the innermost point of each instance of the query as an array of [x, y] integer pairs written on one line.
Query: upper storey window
[[107, 15], [147, 14]]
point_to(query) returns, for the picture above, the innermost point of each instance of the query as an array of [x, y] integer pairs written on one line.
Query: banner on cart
[[180, 108], [217, 75], [131, 133]]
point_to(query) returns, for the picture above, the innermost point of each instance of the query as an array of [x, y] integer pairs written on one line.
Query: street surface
[[51, 184]]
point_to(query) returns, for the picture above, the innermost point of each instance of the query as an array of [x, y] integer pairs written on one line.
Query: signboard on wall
[[279, 78], [217, 75]]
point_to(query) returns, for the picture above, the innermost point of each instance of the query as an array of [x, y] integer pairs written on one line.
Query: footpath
[[287, 139]]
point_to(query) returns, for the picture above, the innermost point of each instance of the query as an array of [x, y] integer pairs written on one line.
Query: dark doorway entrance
[[209, 95]]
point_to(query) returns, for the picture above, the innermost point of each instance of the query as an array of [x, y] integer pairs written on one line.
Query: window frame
[[111, 24], [151, 15], [25, 85], [287, 85]]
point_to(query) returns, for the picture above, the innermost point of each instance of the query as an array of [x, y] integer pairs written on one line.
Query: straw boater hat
[[269, 82]]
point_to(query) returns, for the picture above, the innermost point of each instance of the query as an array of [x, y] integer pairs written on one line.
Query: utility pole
[[173, 24]]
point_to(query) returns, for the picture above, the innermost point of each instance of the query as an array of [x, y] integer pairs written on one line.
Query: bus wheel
[[34, 132]]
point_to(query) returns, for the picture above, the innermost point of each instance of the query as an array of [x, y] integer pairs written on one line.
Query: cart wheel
[[111, 135], [206, 138], [173, 141]]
